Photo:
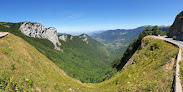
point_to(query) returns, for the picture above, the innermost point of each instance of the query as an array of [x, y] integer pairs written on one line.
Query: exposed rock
[[84, 38], [37, 30], [177, 27], [71, 37], [63, 38]]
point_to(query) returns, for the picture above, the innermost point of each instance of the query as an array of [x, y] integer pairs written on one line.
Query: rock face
[[177, 27], [37, 30]]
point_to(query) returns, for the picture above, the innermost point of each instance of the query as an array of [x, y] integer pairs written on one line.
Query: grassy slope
[[23, 67], [93, 58], [147, 70], [79, 60]]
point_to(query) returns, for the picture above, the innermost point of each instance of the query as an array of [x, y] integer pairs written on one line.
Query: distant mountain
[[120, 37], [117, 38], [164, 28]]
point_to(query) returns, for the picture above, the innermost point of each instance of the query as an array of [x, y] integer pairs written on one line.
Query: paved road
[[3, 34], [178, 87], [178, 43]]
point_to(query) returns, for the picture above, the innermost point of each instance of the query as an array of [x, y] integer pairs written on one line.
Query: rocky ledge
[[37, 30]]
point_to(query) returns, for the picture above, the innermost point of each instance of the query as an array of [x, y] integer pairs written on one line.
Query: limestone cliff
[[177, 27], [37, 30]]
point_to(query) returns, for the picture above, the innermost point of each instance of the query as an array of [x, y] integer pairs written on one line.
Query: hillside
[[135, 45], [25, 68], [87, 57], [151, 68], [87, 62]]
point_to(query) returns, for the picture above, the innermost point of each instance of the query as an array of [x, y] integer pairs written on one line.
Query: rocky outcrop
[[177, 27], [37, 30], [84, 38], [63, 38]]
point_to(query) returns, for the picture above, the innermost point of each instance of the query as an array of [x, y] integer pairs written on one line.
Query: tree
[[156, 31]]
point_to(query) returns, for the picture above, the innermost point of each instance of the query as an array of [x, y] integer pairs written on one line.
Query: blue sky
[[71, 16]]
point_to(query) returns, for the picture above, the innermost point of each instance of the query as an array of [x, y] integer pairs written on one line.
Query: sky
[[82, 16]]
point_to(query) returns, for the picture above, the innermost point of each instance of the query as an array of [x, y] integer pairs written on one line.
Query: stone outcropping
[[63, 38], [37, 30], [176, 30], [84, 38]]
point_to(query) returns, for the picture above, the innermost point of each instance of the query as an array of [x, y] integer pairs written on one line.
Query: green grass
[[147, 70], [85, 62], [27, 66], [24, 68]]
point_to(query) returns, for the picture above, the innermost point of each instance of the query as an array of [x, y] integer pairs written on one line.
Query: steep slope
[[149, 69], [88, 61], [177, 27], [23, 68]]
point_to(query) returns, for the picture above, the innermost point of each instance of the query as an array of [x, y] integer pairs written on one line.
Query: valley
[[124, 55], [26, 65]]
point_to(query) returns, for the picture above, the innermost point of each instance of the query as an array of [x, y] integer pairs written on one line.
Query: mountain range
[[35, 58]]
